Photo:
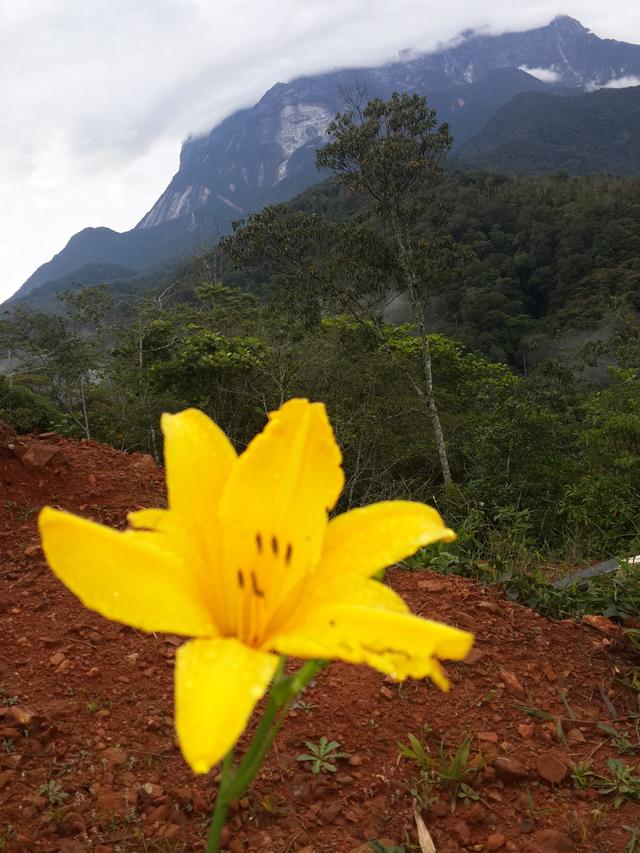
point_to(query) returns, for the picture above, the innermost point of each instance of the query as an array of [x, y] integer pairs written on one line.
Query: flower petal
[[364, 625], [198, 458], [218, 683], [273, 512], [363, 541], [123, 577]]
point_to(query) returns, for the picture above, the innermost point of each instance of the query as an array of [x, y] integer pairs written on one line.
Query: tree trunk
[[85, 413], [417, 306]]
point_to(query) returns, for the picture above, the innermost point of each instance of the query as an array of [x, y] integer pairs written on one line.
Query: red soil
[[88, 704]]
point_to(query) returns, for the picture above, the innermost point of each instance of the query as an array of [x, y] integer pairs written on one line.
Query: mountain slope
[[266, 153], [588, 134]]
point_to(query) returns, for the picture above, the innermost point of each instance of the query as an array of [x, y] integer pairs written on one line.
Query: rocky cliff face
[[266, 154]]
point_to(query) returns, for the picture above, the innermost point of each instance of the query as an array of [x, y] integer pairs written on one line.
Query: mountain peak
[[568, 24]]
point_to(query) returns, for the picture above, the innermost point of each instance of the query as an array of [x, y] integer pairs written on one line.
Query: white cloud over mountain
[[96, 97]]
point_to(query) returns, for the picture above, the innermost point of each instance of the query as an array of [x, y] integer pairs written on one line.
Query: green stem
[[222, 806], [283, 692]]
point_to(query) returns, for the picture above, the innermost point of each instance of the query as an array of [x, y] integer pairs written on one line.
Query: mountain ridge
[[266, 153]]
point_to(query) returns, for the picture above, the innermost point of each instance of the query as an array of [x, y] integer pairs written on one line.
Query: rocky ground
[[88, 758]]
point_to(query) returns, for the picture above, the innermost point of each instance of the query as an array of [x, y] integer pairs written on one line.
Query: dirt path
[[88, 759]]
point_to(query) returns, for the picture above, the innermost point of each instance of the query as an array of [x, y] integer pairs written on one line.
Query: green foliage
[[24, 409], [584, 134], [321, 755], [53, 792], [415, 750], [620, 782], [448, 769], [615, 595]]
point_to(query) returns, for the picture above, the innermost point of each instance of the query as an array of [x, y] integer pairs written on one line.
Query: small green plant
[[8, 745], [321, 755], [621, 782], [453, 769], [450, 770], [619, 739], [53, 792], [92, 706], [415, 751], [581, 774]]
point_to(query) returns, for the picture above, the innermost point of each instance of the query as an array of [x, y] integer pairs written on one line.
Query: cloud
[[615, 83], [621, 83], [547, 75], [96, 97]]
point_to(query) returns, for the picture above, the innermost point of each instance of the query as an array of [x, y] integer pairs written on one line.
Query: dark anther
[[240, 579], [274, 545], [256, 589], [332, 622], [288, 555], [259, 542]]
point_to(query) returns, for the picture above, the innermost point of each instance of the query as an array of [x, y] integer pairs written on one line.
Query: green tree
[[393, 151]]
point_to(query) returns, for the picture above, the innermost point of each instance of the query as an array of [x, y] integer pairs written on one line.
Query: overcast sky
[[97, 95]]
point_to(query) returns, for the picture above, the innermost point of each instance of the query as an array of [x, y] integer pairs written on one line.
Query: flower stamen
[[256, 589]]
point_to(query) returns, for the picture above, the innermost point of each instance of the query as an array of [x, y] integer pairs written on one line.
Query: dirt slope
[[86, 708]]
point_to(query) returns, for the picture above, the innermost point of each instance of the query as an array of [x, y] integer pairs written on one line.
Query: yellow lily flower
[[246, 561]]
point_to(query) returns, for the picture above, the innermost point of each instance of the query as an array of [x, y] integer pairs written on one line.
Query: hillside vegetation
[[529, 288], [582, 134]]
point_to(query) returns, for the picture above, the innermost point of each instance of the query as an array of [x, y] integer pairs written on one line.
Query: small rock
[[64, 666], [21, 715], [551, 768], [487, 737], [473, 656], [145, 464], [41, 455], [576, 736], [495, 841], [158, 814], [509, 769], [169, 831], [149, 791], [475, 814], [115, 756], [72, 823], [344, 779], [512, 684], [31, 550], [115, 802], [57, 658], [355, 760], [554, 840], [491, 606], [549, 672], [526, 730], [386, 693], [604, 625], [432, 585], [331, 811]]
